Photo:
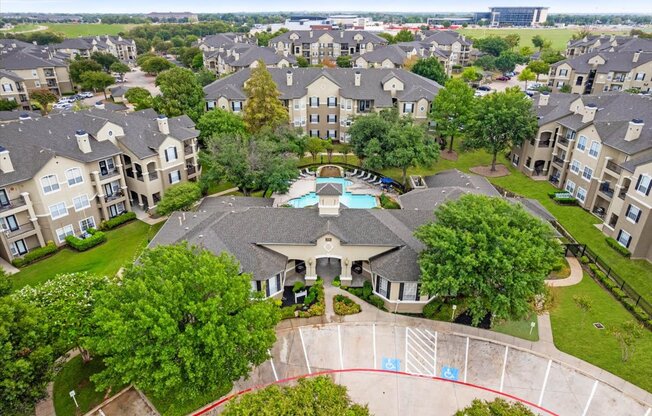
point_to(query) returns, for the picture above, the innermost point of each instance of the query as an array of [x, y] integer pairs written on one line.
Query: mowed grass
[[73, 30], [558, 37], [575, 334], [122, 246]]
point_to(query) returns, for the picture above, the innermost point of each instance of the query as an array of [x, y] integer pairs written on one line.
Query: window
[[409, 291], [633, 213], [581, 194], [296, 104], [7, 87], [62, 233], [644, 184], [87, 223], [383, 287], [331, 134], [9, 223], [80, 202], [581, 143], [175, 177], [58, 210], [332, 119], [314, 101], [50, 184], [594, 150], [117, 209], [74, 176], [106, 166], [236, 106], [18, 248], [314, 118], [408, 107], [171, 154], [570, 187], [624, 238], [640, 76], [348, 104], [575, 166], [332, 102], [272, 285], [4, 198], [314, 133], [587, 173], [563, 72]]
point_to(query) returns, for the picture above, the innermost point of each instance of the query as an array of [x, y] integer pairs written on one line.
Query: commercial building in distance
[[514, 16]]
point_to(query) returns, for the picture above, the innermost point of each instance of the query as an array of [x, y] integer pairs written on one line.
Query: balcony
[[13, 203], [545, 143], [22, 229], [612, 166], [554, 179], [152, 176], [106, 174], [191, 169], [563, 141], [48, 73], [112, 197], [558, 161], [188, 149], [606, 190]]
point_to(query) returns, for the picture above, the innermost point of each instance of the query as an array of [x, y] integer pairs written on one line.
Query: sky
[[213, 6]]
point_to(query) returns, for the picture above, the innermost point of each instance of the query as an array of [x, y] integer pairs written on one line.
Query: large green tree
[[501, 120], [507, 61], [493, 45], [264, 109], [26, 356], [182, 322], [8, 105], [490, 252], [538, 67], [43, 97], [404, 35], [105, 59], [318, 396], [140, 97], [96, 80], [81, 65], [178, 197], [219, 122], [205, 77], [526, 76], [155, 65], [497, 407], [119, 68], [452, 108], [181, 93], [430, 68]]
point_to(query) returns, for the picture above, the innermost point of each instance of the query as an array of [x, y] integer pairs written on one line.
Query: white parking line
[[648, 411], [339, 341], [420, 351], [545, 382], [271, 361], [305, 354], [588, 402], [374, 331], [466, 358], [502, 377]]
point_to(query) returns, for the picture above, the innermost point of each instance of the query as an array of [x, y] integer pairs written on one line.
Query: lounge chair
[[367, 177], [362, 173], [349, 173], [378, 182], [372, 179]]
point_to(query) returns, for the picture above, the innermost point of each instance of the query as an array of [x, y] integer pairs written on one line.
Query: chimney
[[24, 116], [589, 112], [543, 98], [341, 34], [634, 129], [99, 105], [357, 78], [311, 34], [288, 78], [637, 55], [162, 121], [83, 141], [5, 161]]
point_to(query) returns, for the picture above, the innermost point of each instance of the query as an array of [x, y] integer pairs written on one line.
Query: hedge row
[[616, 246], [119, 220], [83, 244], [36, 254], [619, 294]]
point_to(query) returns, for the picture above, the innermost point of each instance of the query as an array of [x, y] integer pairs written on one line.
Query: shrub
[[343, 305], [430, 310], [557, 266], [116, 221], [178, 197], [565, 201], [376, 301], [337, 282], [388, 202], [319, 307], [356, 291], [287, 312], [83, 244], [367, 289], [593, 268], [36, 254], [616, 246], [298, 287], [585, 260], [620, 295]]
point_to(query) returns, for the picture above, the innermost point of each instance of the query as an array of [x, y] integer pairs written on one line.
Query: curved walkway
[[576, 274]]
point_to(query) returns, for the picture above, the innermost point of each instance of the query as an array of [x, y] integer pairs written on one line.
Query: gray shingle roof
[[328, 189], [255, 53], [28, 58], [12, 76], [446, 37], [632, 164], [394, 53], [339, 36], [614, 62]]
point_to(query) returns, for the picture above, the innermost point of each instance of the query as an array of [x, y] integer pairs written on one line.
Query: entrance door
[[4, 199]]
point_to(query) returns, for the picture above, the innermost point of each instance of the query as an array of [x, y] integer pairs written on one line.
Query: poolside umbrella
[[386, 181]]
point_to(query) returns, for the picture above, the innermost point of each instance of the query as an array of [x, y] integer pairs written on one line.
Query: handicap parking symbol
[[391, 364], [450, 373]]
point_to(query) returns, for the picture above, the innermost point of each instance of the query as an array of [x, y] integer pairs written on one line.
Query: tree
[[188, 55], [68, 301], [498, 407], [140, 97], [155, 65], [627, 334], [526, 51], [486, 62], [452, 108], [318, 396], [408, 63], [538, 41], [79, 66], [566, 88], [549, 56], [527, 75], [141, 58], [302, 62], [490, 252], [431, 68], [366, 128], [43, 98], [218, 122], [345, 149], [105, 59], [581, 34], [404, 35], [513, 40], [183, 322], [120, 68], [344, 61], [26, 357], [96, 80], [5, 283], [538, 67], [494, 45], [315, 146], [499, 121], [387, 36], [197, 62], [205, 77], [328, 63], [8, 105], [507, 61], [178, 197], [471, 74], [446, 24], [180, 94], [264, 109]]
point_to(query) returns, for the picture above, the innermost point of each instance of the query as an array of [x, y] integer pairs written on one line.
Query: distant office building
[[518, 16]]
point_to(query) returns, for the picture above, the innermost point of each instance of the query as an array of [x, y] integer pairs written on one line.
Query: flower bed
[[366, 293], [343, 305]]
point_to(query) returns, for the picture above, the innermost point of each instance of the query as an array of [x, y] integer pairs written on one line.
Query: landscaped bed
[[313, 304], [343, 305]]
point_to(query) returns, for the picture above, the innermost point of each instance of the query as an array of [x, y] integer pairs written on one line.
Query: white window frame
[[63, 232], [628, 236], [76, 180], [334, 118], [175, 155], [328, 102], [50, 184], [581, 143], [410, 297], [575, 166], [178, 177], [642, 188], [310, 102], [584, 173], [58, 208], [383, 291], [594, 149], [78, 202], [630, 210], [581, 194], [314, 119], [408, 107], [87, 223], [570, 187], [642, 78]]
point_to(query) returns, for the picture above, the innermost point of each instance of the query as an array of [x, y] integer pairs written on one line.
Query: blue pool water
[[348, 199]]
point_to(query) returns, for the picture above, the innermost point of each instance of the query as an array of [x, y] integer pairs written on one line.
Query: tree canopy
[[205, 77], [183, 322], [178, 197], [180, 94], [219, 122], [96, 80], [8, 105], [538, 67], [493, 45], [264, 109], [452, 108], [488, 251], [105, 59], [471, 74], [499, 121], [344, 61], [44, 98], [430, 68], [78, 66], [155, 65], [527, 75], [140, 97], [404, 35], [119, 67]]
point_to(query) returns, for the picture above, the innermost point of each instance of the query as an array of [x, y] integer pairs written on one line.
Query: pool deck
[[304, 186]]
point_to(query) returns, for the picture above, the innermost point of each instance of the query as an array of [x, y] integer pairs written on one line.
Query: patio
[[305, 186]]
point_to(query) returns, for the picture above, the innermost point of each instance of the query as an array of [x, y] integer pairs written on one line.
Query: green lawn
[[170, 407], [122, 246], [575, 334], [23, 27], [73, 30], [519, 329]]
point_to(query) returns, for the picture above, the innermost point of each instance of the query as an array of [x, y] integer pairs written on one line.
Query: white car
[[66, 100], [86, 94], [62, 106]]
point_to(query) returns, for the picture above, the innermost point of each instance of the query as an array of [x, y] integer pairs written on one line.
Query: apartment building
[[457, 49], [13, 88], [606, 43], [35, 65], [62, 174], [595, 72], [598, 148], [324, 101], [123, 49], [317, 45]]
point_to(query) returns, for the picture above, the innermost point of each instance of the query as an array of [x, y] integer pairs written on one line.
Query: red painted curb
[[369, 370]]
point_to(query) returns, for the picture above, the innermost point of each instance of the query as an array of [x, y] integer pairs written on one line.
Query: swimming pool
[[359, 201]]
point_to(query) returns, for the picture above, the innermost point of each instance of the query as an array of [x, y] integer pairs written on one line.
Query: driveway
[[514, 82], [137, 78]]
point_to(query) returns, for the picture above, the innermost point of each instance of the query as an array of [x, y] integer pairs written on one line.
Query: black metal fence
[[394, 184]]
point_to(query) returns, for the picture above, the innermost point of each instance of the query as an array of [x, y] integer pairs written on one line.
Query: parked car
[[484, 88], [503, 78], [510, 74], [62, 106], [86, 94], [534, 86]]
